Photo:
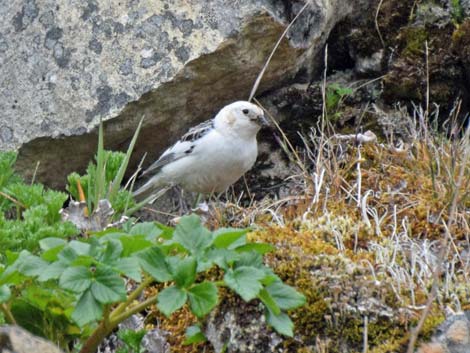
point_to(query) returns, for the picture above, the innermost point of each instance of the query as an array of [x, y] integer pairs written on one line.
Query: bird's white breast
[[215, 164]]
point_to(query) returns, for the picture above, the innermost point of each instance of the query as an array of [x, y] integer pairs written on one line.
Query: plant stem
[[116, 319], [92, 343], [8, 315], [121, 307]]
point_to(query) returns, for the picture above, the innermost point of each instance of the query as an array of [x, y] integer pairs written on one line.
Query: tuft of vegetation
[[89, 276], [28, 212]]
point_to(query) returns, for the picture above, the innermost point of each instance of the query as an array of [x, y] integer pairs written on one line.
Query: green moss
[[414, 39]]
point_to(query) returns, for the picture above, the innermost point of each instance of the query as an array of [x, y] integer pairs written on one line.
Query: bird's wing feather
[[198, 131], [182, 148]]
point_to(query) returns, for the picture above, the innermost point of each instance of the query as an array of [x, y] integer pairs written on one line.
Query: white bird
[[210, 156]]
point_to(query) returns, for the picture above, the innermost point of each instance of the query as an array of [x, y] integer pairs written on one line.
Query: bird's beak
[[262, 120]]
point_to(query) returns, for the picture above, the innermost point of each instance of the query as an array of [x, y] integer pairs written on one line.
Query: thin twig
[[377, 23], [15, 201]]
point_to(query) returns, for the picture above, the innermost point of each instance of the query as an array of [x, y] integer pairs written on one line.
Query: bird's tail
[[150, 188]]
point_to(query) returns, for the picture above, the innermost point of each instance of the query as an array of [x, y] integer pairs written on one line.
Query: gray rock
[[14, 339], [452, 336], [177, 62]]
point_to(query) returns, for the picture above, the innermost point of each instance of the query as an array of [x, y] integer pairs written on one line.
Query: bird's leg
[[182, 204]]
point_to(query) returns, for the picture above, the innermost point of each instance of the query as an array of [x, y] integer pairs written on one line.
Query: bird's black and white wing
[[184, 147]]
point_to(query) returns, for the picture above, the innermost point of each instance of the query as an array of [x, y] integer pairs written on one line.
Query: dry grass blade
[[263, 70]]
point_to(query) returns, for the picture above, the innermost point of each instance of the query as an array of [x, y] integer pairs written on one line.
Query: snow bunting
[[211, 156]]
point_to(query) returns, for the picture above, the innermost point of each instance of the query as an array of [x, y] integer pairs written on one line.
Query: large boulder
[[14, 339], [67, 64]]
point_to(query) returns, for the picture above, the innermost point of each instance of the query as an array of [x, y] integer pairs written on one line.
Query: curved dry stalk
[[278, 43]]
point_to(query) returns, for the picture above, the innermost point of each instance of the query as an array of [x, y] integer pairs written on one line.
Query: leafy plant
[[28, 213], [457, 12], [335, 93], [132, 341], [91, 274], [103, 178]]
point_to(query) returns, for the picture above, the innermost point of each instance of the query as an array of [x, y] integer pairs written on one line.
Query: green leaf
[[285, 296], [147, 229], [80, 247], [133, 243], [203, 298], [108, 287], [51, 243], [116, 185], [171, 299], [130, 267], [260, 248], [184, 271], [194, 335], [30, 265], [251, 258], [112, 251], [76, 279], [67, 255], [281, 323], [269, 301], [5, 293], [190, 233], [132, 338], [153, 262], [88, 309], [224, 258], [245, 281], [224, 237], [53, 271]]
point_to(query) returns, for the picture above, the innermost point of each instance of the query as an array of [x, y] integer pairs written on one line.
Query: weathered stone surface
[[67, 64], [452, 336], [14, 339]]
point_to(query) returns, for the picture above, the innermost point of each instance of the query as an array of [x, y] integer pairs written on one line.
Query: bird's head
[[242, 118]]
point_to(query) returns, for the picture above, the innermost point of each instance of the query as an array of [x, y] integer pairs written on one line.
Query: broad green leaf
[[67, 255], [285, 296], [5, 293], [269, 301], [171, 299], [52, 254], [281, 323], [153, 262], [51, 243], [147, 229], [194, 335], [52, 271], [224, 237], [260, 248], [112, 251], [203, 298], [245, 281], [190, 233], [251, 258], [224, 258], [80, 247], [134, 243], [184, 271], [30, 265], [76, 279], [167, 232], [83, 260], [108, 286], [88, 309], [130, 267]]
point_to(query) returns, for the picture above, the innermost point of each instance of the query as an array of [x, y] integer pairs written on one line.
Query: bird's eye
[[245, 111]]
